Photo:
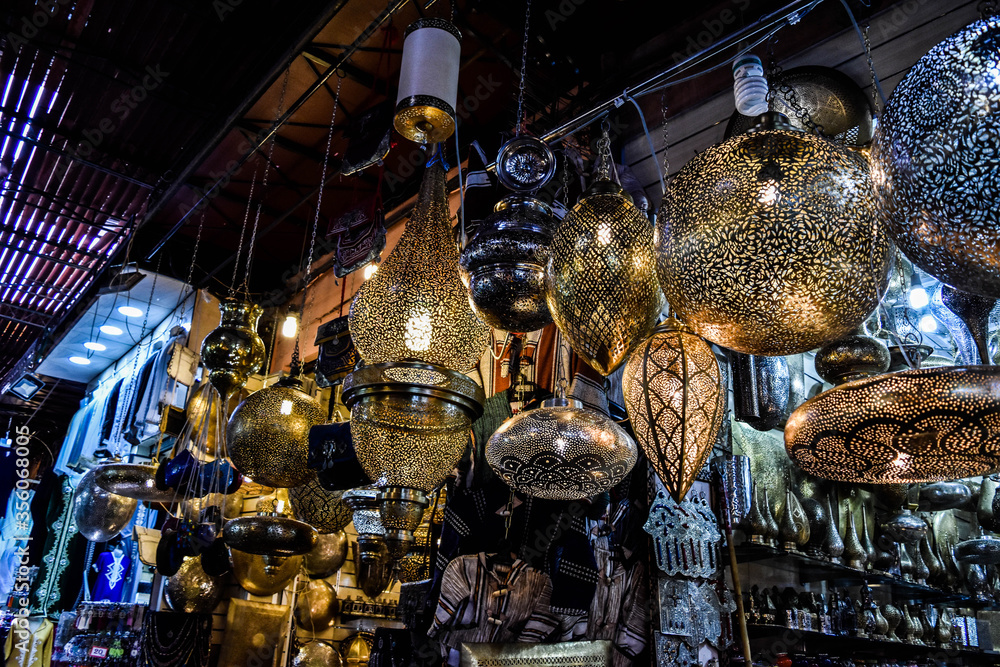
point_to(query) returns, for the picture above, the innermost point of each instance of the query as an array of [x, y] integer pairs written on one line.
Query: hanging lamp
[[675, 401], [270, 533], [233, 350], [428, 81], [769, 242], [100, 515], [923, 425], [601, 276], [936, 164]]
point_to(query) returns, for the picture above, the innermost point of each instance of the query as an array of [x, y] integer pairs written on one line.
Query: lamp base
[[402, 509]]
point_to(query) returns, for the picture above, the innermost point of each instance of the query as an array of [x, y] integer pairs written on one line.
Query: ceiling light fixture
[[111, 330], [290, 326], [130, 311], [83, 361], [918, 298], [96, 347]]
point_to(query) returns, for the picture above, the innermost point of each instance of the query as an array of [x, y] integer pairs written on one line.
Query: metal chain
[[312, 241], [871, 69], [263, 183], [519, 121], [509, 515], [565, 182], [243, 230], [604, 151], [666, 137], [194, 257], [776, 85]]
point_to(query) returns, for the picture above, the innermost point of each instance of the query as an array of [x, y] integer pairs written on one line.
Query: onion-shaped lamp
[[561, 451], [853, 357], [428, 81], [233, 350], [268, 434], [675, 401], [410, 424], [769, 242], [415, 307], [601, 277], [504, 265], [937, 166], [923, 425]]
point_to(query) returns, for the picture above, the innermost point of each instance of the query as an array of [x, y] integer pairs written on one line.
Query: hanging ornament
[[761, 389], [367, 522], [317, 653], [323, 510], [415, 308], [974, 311], [269, 533], [100, 515], [561, 451], [428, 81], [675, 400], [316, 607], [191, 591], [601, 276], [264, 575], [268, 434], [327, 556], [132, 480], [503, 265], [853, 357], [525, 164], [922, 425], [937, 166], [233, 350], [769, 243]]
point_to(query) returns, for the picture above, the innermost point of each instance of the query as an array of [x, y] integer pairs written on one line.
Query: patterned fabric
[[33, 651], [113, 569]]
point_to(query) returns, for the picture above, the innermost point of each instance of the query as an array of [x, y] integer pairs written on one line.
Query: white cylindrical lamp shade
[[428, 81]]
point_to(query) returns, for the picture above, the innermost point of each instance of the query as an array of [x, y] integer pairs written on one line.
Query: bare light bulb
[[928, 324], [919, 298], [290, 326]]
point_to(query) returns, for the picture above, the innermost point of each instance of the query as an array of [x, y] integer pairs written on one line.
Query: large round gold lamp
[[268, 434], [233, 350], [769, 243], [601, 277], [675, 401], [937, 164]]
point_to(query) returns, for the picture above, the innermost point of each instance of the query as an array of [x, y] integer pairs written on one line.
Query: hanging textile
[[34, 650]]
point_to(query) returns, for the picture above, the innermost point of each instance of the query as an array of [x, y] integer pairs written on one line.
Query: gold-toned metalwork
[[424, 123], [268, 434], [323, 510], [793, 529], [503, 265], [132, 480], [601, 277], [200, 402], [356, 649], [100, 515], [191, 591], [595, 653], [853, 357], [416, 565], [254, 632], [316, 607], [937, 166], [264, 575], [675, 400], [233, 350], [769, 243], [561, 451], [230, 503], [401, 510], [919, 425], [327, 556], [317, 653], [415, 307], [270, 535]]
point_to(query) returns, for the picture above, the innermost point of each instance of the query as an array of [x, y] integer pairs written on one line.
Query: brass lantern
[[323, 510], [769, 242], [233, 350], [676, 401], [504, 265], [264, 575], [936, 161], [269, 533], [923, 425], [410, 425], [428, 81], [415, 307], [561, 451], [268, 434], [601, 277], [191, 590]]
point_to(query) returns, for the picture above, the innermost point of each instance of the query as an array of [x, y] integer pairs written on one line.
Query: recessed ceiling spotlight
[[130, 311], [110, 330], [83, 361], [96, 347]]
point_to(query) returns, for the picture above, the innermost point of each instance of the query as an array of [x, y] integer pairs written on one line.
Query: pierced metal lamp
[[769, 242], [675, 401], [233, 350], [923, 425], [269, 533], [936, 164], [367, 523]]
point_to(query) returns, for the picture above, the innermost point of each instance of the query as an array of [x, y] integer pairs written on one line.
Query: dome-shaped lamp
[[561, 451], [410, 425], [428, 81], [504, 265], [675, 400], [769, 242], [269, 533], [936, 164], [268, 434], [853, 357], [264, 575], [323, 510], [233, 350], [415, 307], [923, 425], [601, 277]]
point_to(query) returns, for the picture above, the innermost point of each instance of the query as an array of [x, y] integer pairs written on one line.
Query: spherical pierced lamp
[[323, 510], [415, 307], [503, 265], [769, 242], [937, 161], [601, 277], [233, 350], [676, 401], [268, 434], [561, 451], [923, 425]]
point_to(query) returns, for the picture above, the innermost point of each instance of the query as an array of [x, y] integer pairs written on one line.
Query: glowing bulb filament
[[286, 407], [603, 233], [768, 193]]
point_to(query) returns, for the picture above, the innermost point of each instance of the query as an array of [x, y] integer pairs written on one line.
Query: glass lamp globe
[[937, 164], [415, 307], [601, 277], [675, 401], [268, 434], [561, 451], [769, 242]]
